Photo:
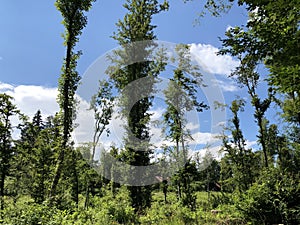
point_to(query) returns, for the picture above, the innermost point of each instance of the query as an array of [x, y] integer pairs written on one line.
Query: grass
[[117, 210]]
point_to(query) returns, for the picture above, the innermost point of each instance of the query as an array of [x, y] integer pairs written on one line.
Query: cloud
[[1, 57], [193, 126], [251, 144], [254, 15], [5, 87], [85, 130], [30, 98], [203, 138], [248, 144], [213, 150], [226, 86], [206, 56]]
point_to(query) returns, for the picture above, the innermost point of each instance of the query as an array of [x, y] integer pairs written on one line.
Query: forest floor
[[108, 209]]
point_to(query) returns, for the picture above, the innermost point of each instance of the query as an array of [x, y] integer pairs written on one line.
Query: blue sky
[[31, 47]]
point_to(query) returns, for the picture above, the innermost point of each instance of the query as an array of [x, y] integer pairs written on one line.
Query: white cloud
[[213, 150], [5, 87], [226, 86], [206, 56], [203, 138], [251, 144], [85, 130], [254, 15], [248, 144], [30, 98], [156, 114], [193, 126], [221, 124], [85, 123]]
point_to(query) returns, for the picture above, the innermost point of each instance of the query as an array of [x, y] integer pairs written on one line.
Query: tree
[[209, 172], [271, 36], [272, 199], [74, 21], [181, 97], [35, 155], [241, 160], [102, 105], [186, 176], [247, 76], [135, 35], [7, 110]]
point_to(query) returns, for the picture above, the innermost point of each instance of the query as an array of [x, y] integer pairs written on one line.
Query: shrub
[[273, 199]]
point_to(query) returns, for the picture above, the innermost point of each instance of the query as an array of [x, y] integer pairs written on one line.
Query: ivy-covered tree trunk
[[135, 35], [74, 21]]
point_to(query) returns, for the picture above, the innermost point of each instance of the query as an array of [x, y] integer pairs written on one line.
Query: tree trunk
[[66, 117], [2, 190], [87, 195], [262, 141]]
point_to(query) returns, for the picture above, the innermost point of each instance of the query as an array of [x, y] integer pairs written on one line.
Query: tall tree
[[271, 37], [74, 21], [102, 105], [247, 75], [181, 97], [240, 159], [135, 35], [7, 110]]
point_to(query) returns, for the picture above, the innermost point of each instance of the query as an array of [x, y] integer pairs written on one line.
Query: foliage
[[208, 173], [237, 157], [7, 110], [258, 186], [34, 158], [181, 97], [214, 7], [74, 21], [272, 199], [102, 105], [135, 35]]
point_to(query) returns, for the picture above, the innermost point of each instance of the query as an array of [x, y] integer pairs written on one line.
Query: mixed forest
[[46, 179]]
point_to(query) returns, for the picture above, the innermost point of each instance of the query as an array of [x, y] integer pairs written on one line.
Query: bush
[[106, 210], [273, 199]]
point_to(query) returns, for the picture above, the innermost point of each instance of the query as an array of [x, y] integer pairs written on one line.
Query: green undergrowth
[[117, 210]]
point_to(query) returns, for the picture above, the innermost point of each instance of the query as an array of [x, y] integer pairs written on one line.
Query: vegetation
[[45, 179]]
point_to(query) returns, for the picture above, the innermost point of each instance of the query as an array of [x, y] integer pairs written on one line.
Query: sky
[[32, 51]]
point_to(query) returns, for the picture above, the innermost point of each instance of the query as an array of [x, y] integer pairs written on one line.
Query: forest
[[47, 178]]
